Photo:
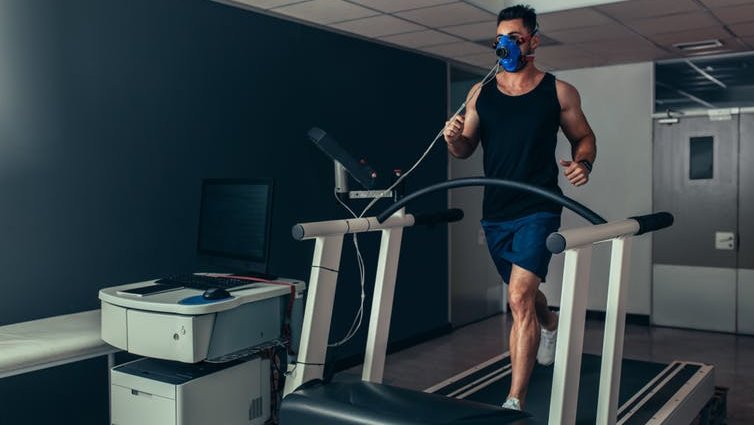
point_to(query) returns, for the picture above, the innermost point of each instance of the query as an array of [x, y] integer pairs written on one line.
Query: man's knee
[[522, 289], [521, 300]]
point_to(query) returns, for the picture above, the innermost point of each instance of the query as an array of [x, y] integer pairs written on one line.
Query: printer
[[177, 325], [199, 366]]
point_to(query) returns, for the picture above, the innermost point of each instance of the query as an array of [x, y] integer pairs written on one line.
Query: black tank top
[[518, 135]]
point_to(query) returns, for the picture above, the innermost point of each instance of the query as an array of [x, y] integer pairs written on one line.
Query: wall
[[111, 114], [617, 101]]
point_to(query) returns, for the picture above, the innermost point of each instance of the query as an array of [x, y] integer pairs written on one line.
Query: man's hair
[[519, 11]]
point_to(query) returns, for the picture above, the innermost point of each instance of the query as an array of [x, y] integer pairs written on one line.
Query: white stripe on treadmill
[[486, 384], [466, 373], [505, 372], [649, 384], [651, 393], [480, 383], [672, 408]]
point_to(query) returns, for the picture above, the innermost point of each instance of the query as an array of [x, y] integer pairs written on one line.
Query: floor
[[426, 364]]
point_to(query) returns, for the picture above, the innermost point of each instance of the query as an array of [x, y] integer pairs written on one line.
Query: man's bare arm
[[579, 134], [462, 134]]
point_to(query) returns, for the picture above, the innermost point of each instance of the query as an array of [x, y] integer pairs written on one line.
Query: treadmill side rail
[[615, 326], [567, 370], [682, 406]]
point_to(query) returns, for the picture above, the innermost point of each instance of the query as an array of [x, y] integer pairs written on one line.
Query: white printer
[[159, 392], [190, 375], [180, 325]]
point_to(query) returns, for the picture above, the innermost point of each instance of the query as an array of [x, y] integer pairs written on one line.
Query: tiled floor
[[426, 364]]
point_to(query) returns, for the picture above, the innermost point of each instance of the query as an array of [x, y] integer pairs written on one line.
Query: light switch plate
[[725, 240]]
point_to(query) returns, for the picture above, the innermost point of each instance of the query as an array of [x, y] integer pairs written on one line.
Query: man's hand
[[575, 172], [453, 130]]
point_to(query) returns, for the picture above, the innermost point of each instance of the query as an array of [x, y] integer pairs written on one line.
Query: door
[[745, 307], [695, 262]]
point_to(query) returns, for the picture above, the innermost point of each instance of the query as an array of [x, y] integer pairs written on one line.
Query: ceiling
[[711, 82], [612, 32]]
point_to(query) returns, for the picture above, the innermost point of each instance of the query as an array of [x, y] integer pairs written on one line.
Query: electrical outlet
[[725, 240]]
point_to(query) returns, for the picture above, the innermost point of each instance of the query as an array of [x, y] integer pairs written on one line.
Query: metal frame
[[615, 326], [573, 299], [577, 244], [566, 374], [321, 294], [382, 304], [319, 302], [696, 391]]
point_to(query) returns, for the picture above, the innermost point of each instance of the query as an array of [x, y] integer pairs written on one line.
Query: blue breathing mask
[[509, 54]]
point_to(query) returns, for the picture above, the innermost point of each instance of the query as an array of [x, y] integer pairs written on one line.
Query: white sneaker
[[512, 403], [547, 342]]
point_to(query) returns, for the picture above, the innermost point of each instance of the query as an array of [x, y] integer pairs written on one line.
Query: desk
[[52, 341]]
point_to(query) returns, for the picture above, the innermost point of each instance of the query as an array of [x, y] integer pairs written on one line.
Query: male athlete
[[516, 117]]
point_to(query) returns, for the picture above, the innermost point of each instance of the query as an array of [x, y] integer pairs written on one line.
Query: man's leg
[[523, 289], [547, 319]]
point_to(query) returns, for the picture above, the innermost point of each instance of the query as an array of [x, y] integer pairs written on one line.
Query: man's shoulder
[[564, 86], [567, 93], [474, 92]]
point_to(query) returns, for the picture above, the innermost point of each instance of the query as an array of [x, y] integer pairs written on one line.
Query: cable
[[356, 324], [485, 80], [295, 365], [358, 318]]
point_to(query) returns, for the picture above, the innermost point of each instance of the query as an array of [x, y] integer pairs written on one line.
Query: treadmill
[[650, 392], [613, 390]]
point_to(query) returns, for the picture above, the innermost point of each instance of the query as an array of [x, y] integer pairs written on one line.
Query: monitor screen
[[234, 222]]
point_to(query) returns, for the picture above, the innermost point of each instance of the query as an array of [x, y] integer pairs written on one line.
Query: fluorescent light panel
[[698, 45]]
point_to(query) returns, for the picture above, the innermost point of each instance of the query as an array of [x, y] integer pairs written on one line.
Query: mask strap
[[530, 57]]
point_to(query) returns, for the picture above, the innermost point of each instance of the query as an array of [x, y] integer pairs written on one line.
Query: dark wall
[[111, 114]]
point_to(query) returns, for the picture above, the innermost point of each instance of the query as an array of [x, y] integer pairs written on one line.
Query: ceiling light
[[698, 45], [709, 52], [668, 121]]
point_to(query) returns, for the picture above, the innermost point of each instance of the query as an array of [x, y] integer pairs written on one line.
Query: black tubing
[[652, 222], [569, 203], [446, 216]]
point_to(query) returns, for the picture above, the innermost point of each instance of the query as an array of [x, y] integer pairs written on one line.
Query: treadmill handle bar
[[573, 238], [302, 231]]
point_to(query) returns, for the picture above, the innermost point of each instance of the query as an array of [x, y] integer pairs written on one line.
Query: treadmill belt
[[635, 375]]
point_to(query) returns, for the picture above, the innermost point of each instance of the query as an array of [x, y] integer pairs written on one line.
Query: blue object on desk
[[199, 300]]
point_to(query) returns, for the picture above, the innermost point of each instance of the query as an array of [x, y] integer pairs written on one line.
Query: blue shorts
[[521, 242]]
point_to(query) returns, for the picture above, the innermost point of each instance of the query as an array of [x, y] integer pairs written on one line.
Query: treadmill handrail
[[562, 240], [315, 229], [302, 231]]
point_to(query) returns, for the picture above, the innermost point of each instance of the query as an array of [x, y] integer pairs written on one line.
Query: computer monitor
[[234, 225]]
